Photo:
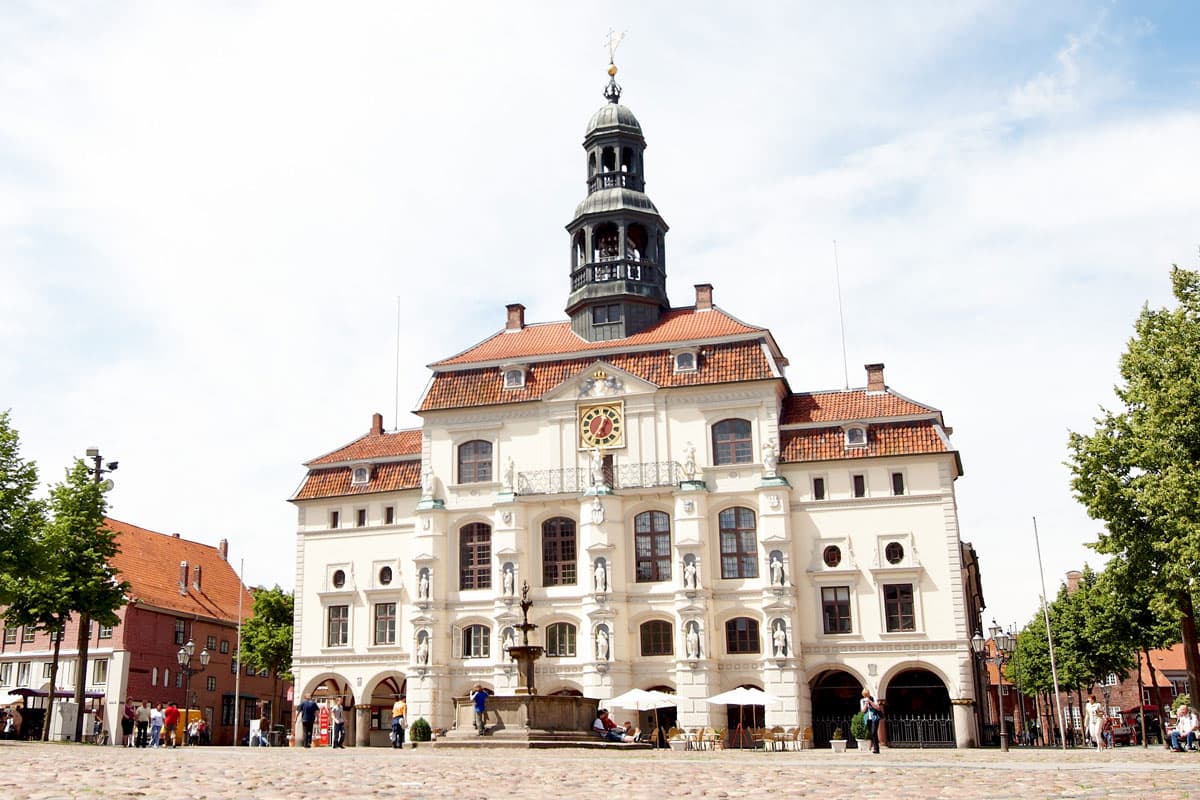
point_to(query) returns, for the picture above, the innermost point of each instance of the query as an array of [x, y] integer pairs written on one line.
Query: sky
[[216, 217]]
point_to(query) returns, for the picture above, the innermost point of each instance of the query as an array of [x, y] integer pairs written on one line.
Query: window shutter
[[456, 633]]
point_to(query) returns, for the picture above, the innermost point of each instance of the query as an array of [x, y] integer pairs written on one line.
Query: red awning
[[65, 693]]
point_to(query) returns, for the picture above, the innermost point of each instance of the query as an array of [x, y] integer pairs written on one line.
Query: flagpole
[[237, 679], [1050, 639]]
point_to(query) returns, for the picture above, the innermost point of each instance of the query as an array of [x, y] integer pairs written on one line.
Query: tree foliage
[[1139, 471], [267, 635], [21, 514]]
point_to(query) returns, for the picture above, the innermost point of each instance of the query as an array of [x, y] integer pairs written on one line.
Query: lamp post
[[184, 657], [1003, 645]]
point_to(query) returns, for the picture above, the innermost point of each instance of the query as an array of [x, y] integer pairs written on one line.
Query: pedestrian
[[142, 716], [338, 715], [479, 698], [399, 712], [171, 724], [157, 717], [128, 717], [1095, 720], [871, 715], [308, 715]]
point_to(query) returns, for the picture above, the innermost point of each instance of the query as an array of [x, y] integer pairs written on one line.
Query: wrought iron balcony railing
[[621, 476], [627, 269]]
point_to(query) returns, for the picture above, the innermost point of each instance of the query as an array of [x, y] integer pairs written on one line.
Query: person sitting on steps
[[608, 729]]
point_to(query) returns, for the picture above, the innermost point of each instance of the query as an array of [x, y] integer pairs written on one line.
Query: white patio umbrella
[[643, 700], [742, 696]]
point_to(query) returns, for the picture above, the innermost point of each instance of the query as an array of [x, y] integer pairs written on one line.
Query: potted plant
[[419, 731], [837, 741], [860, 731]]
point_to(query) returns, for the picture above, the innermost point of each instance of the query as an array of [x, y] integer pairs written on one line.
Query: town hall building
[[685, 518]]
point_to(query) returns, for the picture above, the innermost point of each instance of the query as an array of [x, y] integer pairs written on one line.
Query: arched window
[[475, 462], [560, 640], [591, 165], [154, 676], [608, 160], [475, 556], [741, 635], [652, 546], [731, 442], [739, 543], [606, 244], [579, 250], [627, 159], [476, 641], [658, 638], [559, 563], [635, 242]]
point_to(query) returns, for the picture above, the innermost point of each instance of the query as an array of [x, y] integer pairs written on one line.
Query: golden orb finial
[[612, 70]]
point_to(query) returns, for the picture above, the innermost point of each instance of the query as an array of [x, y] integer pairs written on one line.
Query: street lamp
[[184, 657], [1003, 644]]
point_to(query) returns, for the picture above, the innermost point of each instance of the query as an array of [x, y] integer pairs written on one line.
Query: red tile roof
[[335, 482], [848, 404], [888, 439], [375, 446], [718, 363], [150, 562], [557, 338], [1170, 659]]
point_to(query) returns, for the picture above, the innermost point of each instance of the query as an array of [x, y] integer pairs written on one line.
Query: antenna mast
[[396, 408]]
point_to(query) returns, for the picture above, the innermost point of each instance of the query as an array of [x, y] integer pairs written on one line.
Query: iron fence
[[621, 476], [920, 730]]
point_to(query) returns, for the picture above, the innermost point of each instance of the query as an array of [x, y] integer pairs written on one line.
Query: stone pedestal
[[362, 726]]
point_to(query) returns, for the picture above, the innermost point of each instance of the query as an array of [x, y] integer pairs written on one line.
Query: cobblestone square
[[47, 771]]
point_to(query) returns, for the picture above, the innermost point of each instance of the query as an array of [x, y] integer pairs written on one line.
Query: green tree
[[267, 636], [1139, 471], [84, 549], [21, 514]]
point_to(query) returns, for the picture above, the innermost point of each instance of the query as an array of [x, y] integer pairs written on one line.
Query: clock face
[[601, 426]]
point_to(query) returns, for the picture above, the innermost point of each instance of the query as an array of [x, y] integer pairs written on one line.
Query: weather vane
[[613, 90]]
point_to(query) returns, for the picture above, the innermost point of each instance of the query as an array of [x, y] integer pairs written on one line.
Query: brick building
[[179, 591]]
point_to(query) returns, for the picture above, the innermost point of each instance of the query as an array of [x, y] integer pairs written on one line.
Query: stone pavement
[[49, 771]]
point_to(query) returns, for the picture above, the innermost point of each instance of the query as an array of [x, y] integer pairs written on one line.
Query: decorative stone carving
[[689, 574], [773, 502], [600, 576], [780, 640], [770, 458], [602, 645], [506, 516], [508, 475], [507, 580], [427, 482], [597, 511], [776, 571], [423, 649], [689, 462], [600, 384], [692, 641], [509, 641], [597, 467], [423, 586]]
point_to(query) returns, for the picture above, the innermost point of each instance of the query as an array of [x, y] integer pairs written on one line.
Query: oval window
[[832, 555], [385, 576], [339, 579], [894, 552]]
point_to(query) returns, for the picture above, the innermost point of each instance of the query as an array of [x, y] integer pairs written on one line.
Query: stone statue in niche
[[427, 482], [689, 574], [770, 458], [692, 641], [776, 571], [597, 511], [423, 651], [507, 581], [597, 467], [508, 475], [600, 577], [689, 462], [423, 586], [602, 645], [509, 641], [780, 638]]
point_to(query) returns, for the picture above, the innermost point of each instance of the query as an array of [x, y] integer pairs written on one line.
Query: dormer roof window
[[856, 436], [685, 360], [360, 475], [514, 375]]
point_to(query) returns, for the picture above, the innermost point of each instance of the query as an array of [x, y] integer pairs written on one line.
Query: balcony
[[625, 269], [648, 475], [615, 180]]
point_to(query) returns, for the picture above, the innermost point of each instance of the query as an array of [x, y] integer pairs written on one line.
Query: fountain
[[525, 718]]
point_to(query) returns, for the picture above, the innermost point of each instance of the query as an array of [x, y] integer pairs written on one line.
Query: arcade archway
[[918, 710], [835, 694]]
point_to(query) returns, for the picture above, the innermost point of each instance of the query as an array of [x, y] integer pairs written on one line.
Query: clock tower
[[618, 255]]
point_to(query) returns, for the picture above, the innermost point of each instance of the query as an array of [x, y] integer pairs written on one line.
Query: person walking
[[399, 712], [142, 715], [871, 715], [157, 718], [128, 717], [171, 724], [1095, 720], [338, 716], [308, 716], [479, 698]]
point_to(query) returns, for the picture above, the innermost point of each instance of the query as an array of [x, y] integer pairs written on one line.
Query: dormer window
[[360, 476], [856, 436], [514, 376], [685, 361]]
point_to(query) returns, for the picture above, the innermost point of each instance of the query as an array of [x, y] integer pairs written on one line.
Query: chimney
[[875, 378], [376, 424], [516, 317], [174, 535], [196, 577], [183, 576], [223, 545], [703, 296]]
